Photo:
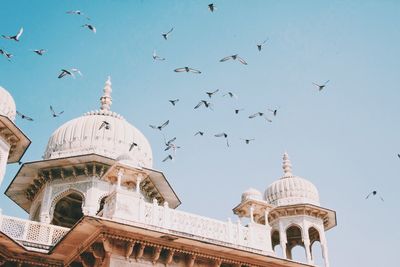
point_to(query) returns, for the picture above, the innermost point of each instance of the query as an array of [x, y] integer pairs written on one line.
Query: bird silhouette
[[322, 86], [274, 111], [24, 116], [14, 37], [374, 193], [105, 125], [39, 52], [259, 46], [234, 57], [90, 27], [70, 72], [224, 135], [132, 145], [237, 110], [211, 7], [165, 35], [231, 95], [247, 141], [156, 57], [173, 101], [199, 133], [77, 12], [169, 157], [7, 55], [259, 114], [161, 126], [187, 69], [210, 94], [205, 103], [55, 114]]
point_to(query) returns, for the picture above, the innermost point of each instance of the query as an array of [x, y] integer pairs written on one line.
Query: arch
[[68, 209], [62, 194], [294, 236], [275, 238], [315, 246]]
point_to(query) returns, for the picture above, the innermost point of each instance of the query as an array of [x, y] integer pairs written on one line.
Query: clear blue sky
[[344, 139]]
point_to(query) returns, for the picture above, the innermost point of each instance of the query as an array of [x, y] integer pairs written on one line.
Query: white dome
[[7, 104], [83, 135], [290, 189], [251, 193]]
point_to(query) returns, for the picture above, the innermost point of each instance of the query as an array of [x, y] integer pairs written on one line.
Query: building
[[94, 200]]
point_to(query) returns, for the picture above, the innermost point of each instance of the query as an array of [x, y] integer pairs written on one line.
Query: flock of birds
[[170, 144]]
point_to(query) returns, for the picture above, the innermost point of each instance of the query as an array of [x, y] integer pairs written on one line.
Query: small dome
[[88, 134], [7, 104], [290, 189], [251, 193]]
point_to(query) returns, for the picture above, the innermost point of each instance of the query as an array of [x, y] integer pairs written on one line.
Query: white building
[[94, 200]]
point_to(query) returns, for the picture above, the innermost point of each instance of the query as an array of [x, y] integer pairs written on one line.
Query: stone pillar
[[138, 181], [307, 247], [283, 241], [251, 209], [324, 248]]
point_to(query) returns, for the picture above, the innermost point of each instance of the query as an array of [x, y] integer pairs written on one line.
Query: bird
[[259, 46], [90, 27], [14, 37], [169, 157], [199, 133], [231, 95], [234, 57], [170, 144], [322, 86], [247, 141], [161, 126], [155, 57], [132, 145], [373, 193], [274, 111], [205, 103], [210, 94], [71, 72], [39, 52], [77, 12], [259, 114], [165, 35], [7, 55], [187, 69], [398, 155], [224, 135], [105, 125], [173, 101], [54, 114], [167, 143], [211, 7], [237, 110], [24, 116]]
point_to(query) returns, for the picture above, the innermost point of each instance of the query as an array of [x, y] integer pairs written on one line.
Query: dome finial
[[286, 166], [106, 99]]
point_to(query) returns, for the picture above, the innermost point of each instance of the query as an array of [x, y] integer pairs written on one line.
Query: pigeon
[[90, 27], [259, 46], [169, 157], [131, 146], [165, 35], [224, 135], [373, 193], [259, 114], [155, 57], [105, 125], [187, 69], [322, 86], [173, 101], [71, 72], [14, 37], [231, 95], [39, 52], [211, 7], [170, 144], [54, 114], [77, 12], [234, 57], [161, 126], [237, 110], [210, 94], [247, 140], [205, 103], [24, 116], [170, 141], [7, 55], [199, 133]]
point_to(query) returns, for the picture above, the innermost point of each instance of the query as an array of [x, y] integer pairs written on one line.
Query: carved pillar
[[190, 261], [140, 251], [283, 241], [156, 255], [217, 263], [307, 247], [251, 208], [324, 248], [129, 249], [120, 174], [170, 257], [138, 181], [108, 249]]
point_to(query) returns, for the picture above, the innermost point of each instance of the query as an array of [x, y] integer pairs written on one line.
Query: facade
[[95, 200]]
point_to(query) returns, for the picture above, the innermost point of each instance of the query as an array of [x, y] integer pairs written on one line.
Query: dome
[[101, 132], [251, 193], [290, 189], [7, 104]]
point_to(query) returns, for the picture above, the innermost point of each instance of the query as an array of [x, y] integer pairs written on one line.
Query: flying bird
[[247, 141], [237, 110], [71, 72], [14, 37], [173, 101], [231, 95], [210, 94], [199, 133], [322, 86], [7, 55], [205, 103], [398, 155], [170, 144], [156, 57], [105, 125], [224, 135], [259, 114], [187, 69], [274, 111], [161, 126], [39, 52], [211, 7], [373, 193], [90, 27], [77, 12], [234, 57], [165, 35], [169, 157], [131, 146], [259, 46], [24, 116], [55, 114]]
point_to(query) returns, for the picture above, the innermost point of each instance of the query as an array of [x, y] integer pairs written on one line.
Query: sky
[[344, 139]]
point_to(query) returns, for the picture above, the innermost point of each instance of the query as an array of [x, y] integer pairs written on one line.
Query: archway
[[295, 244], [315, 247], [276, 243], [68, 210]]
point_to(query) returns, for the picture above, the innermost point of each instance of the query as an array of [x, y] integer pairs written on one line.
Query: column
[[251, 209]]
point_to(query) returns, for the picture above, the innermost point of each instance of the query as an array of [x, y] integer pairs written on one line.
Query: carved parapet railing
[[33, 235]]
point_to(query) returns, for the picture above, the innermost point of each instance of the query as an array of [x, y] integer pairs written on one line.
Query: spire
[[106, 99], [287, 165]]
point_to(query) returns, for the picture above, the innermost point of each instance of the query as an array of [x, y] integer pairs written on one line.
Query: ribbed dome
[[251, 193], [290, 189], [7, 104], [83, 136]]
